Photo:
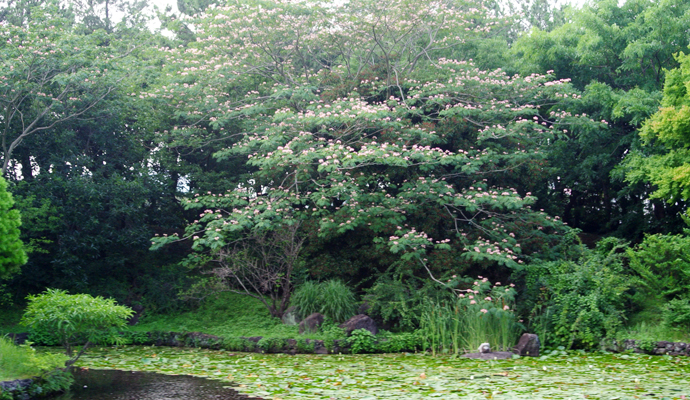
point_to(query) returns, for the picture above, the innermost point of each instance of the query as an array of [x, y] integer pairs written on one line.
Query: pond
[[127, 385], [558, 375]]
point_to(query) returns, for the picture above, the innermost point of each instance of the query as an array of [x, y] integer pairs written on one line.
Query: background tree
[[261, 266], [12, 254], [616, 55], [50, 75], [667, 134], [91, 187]]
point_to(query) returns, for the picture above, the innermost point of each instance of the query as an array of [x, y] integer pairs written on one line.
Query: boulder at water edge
[[484, 348], [528, 345], [359, 321], [311, 323]]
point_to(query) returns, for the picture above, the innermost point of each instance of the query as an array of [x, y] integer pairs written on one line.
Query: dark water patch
[[128, 385]]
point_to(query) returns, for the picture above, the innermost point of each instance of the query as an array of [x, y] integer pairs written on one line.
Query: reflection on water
[[127, 385]]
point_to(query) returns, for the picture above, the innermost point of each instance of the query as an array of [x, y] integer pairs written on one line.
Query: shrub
[[661, 266], [361, 341], [397, 342], [399, 301], [305, 346], [676, 314], [582, 301], [646, 345], [23, 361], [337, 301], [332, 298], [43, 336], [238, 344], [74, 318], [271, 345]]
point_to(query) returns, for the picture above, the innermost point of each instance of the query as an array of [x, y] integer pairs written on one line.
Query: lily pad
[[563, 375]]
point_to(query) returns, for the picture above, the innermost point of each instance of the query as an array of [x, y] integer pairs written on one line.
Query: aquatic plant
[[556, 375], [483, 313]]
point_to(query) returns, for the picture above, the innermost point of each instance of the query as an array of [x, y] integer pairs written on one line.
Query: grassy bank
[[226, 314], [22, 362]]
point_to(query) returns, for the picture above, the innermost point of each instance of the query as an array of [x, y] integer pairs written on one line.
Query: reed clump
[[482, 313]]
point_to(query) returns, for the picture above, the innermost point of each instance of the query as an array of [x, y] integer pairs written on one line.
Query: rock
[[340, 346], [290, 316], [290, 347], [320, 347], [198, 339], [311, 323], [359, 321], [18, 385], [499, 355], [484, 348], [19, 338], [528, 345]]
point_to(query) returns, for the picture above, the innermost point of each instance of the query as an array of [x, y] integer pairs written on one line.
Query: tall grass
[[332, 298], [307, 298], [482, 314], [20, 362], [337, 301], [654, 332]]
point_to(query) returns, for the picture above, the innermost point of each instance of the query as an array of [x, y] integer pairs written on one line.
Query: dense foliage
[[398, 146], [12, 253], [74, 319]]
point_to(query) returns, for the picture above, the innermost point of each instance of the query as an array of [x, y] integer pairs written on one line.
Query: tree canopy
[[363, 125], [398, 143], [667, 133]]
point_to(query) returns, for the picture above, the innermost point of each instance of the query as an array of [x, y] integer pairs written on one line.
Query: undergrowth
[[654, 332], [20, 362], [226, 315], [9, 319]]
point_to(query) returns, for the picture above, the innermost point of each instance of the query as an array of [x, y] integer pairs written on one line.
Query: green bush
[[332, 298], [43, 336], [75, 318], [305, 346], [661, 267], [646, 345], [361, 341], [580, 302], [337, 301], [399, 301], [238, 344], [136, 337], [676, 314], [397, 342], [330, 330], [271, 345], [19, 362]]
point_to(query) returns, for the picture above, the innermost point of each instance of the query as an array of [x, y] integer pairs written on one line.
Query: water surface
[[554, 375], [128, 385]]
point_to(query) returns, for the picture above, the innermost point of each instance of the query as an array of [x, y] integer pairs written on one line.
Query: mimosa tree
[[364, 118]]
